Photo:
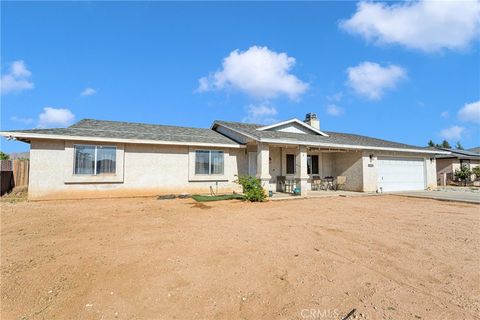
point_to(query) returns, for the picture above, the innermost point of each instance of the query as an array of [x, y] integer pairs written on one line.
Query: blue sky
[[402, 72]]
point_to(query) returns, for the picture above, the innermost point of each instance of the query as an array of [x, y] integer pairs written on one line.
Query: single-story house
[[95, 158], [448, 163]]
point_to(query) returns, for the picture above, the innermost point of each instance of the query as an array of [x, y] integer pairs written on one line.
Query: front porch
[[289, 169]]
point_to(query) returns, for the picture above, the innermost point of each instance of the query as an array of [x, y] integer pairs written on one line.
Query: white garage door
[[401, 174]]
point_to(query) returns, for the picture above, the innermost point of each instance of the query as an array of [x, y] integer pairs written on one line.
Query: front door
[[252, 164]]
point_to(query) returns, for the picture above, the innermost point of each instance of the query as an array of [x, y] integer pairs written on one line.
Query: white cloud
[[334, 110], [470, 112], [335, 97], [261, 114], [25, 121], [444, 114], [88, 92], [55, 117], [369, 79], [258, 72], [452, 133], [17, 79], [423, 25]]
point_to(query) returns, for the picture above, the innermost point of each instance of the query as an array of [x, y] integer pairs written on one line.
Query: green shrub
[[476, 172], [463, 174], [252, 188]]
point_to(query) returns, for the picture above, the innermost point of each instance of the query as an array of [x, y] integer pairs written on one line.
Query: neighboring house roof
[[333, 139], [476, 150], [460, 154], [115, 131]]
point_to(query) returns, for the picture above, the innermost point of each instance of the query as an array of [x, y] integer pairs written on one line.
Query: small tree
[[431, 143], [463, 174], [4, 156], [459, 146], [252, 188], [445, 144], [476, 172]]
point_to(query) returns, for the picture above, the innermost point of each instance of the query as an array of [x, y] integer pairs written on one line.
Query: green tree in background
[[459, 146], [4, 156], [445, 144], [431, 143]]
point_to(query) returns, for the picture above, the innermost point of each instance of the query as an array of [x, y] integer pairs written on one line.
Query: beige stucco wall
[[141, 170], [451, 164], [155, 169], [349, 164]]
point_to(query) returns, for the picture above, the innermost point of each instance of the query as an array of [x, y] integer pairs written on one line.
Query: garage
[[401, 174]]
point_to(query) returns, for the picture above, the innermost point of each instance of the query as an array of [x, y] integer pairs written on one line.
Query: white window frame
[[95, 161], [210, 163]]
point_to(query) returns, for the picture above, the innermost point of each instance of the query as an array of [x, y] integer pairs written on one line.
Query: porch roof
[[334, 139]]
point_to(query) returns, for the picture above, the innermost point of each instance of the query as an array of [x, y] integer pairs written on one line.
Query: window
[[465, 163], [290, 164], [208, 162], [94, 160], [312, 164]]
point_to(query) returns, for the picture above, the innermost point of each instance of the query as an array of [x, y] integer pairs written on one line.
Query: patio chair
[[316, 183], [340, 183]]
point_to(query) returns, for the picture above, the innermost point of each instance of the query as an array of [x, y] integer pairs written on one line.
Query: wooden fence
[[21, 172], [14, 174]]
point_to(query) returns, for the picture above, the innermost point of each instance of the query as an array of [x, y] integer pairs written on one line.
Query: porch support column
[[301, 172], [263, 165]]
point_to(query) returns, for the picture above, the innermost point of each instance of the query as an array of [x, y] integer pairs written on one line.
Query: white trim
[[347, 146], [115, 140], [294, 120]]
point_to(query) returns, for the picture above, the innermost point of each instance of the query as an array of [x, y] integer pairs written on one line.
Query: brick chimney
[[312, 120]]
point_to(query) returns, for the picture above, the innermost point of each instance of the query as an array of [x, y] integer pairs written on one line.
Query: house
[[448, 163], [95, 158]]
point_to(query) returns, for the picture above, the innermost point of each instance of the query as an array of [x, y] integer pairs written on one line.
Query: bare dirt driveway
[[388, 257]]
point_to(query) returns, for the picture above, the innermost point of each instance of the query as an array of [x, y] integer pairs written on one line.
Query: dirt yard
[[388, 257]]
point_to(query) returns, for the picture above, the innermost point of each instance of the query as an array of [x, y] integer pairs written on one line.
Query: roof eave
[[23, 135], [347, 146]]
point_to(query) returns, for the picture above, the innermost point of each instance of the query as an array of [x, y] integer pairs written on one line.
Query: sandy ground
[[387, 257]]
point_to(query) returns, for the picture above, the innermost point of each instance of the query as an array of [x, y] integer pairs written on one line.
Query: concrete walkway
[[446, 195]]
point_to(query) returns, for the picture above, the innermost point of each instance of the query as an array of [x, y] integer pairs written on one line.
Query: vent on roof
[[312, 120]]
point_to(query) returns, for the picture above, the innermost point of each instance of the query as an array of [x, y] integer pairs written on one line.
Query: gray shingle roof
[[461, 154], [334, 138], [141, 131]]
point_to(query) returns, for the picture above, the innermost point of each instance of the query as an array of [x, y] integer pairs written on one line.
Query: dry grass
[[388, 257], [18, 194]]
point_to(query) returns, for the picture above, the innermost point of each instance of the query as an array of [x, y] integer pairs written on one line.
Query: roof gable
[[293, 126]]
